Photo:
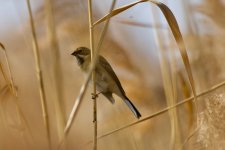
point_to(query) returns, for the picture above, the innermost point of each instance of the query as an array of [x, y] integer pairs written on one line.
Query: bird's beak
[[74, 53]]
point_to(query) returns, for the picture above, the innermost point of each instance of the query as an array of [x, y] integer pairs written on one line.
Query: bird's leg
[[94, 96]]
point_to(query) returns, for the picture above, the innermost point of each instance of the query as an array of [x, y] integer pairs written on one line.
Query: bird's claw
[[94, 96]]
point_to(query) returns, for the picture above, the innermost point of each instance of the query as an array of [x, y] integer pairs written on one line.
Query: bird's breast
[[85, 66], [104, 82]]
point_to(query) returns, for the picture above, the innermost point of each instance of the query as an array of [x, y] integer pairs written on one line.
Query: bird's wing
[[109, 69], [109, 96]]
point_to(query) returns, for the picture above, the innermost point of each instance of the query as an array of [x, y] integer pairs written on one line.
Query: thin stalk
[[94, 97], [160, 112], [101, 39], [10, 74], [166, 109], [177, 141], [58, 78], [187, 93], [83, 89], [39, 75], [5, 77], [192, 19], [93, 56], [189, 137], [174, 75], [167, 80], [9, 82]]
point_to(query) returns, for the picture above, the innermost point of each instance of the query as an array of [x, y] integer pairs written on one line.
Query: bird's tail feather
[[132, 107]]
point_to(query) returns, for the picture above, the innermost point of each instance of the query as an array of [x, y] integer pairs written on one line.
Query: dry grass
[[59, 82], [39, 75], [56, 65]]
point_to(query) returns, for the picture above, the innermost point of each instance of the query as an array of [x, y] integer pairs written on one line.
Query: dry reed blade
[[9, 81], [39, 74], [175, 30], [58, 78], [212, 89], [141, 24], [192, 24], [174, 74], [179, 39], [175, 99], [186, 93], [115, 12], [180, 42], [168, 84]]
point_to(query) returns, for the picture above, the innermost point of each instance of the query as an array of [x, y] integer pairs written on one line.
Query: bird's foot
[[94, 96]]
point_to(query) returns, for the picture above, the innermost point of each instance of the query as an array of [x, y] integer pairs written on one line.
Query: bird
[[107, 82]]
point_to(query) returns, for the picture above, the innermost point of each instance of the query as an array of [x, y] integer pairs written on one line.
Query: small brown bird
[[107, 82]]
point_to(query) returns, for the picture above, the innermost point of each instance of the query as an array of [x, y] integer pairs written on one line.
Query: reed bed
[[50, 98]]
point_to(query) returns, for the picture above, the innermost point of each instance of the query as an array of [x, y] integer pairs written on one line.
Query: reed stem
[[57, 69], [94, 97], [39, 75]]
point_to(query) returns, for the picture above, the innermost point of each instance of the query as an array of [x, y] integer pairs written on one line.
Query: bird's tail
[[132, 107]]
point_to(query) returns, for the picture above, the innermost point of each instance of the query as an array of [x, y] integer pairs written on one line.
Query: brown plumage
[[107, 82]]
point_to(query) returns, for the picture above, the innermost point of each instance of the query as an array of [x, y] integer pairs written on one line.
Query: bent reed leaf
[[175, 30], [39, 76]]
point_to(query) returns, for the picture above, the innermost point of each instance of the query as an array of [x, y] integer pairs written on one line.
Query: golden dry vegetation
[[34, 116]]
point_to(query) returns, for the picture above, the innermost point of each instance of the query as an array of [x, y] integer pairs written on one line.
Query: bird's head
[[81, 53]]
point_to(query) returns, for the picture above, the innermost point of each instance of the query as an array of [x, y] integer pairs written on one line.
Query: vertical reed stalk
[[174, 76], [58, 80], [167, 83], [39, 74], [193, 30], [187, 93], [84, 86], [91, 31]]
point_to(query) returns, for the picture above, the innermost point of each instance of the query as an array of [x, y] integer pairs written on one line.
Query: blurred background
[[143, 53]]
